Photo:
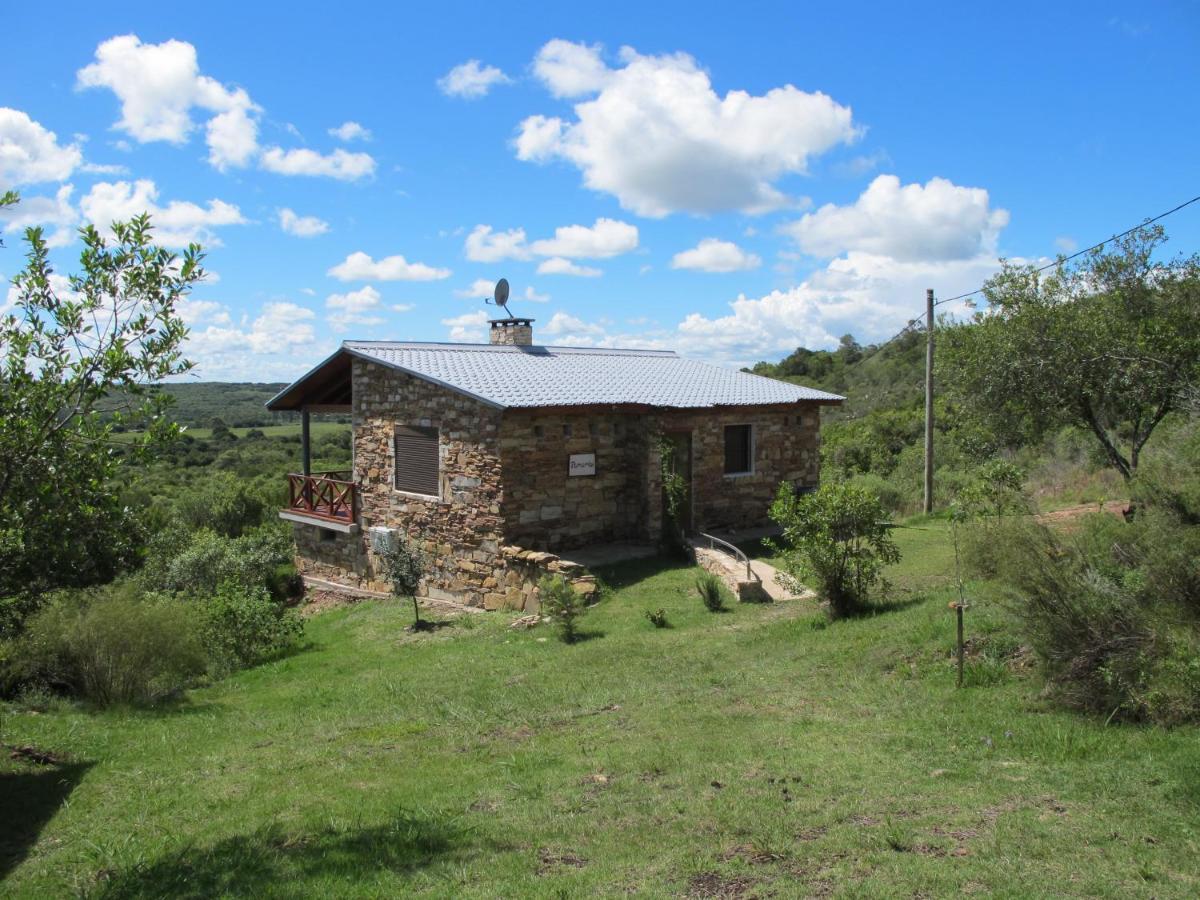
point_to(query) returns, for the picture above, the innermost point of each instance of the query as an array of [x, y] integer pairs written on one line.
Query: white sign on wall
[[581, 464]]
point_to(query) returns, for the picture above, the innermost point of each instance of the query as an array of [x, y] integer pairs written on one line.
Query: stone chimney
[[513, 332]]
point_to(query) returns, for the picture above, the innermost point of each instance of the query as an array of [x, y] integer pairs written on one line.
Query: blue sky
[[727, 180]]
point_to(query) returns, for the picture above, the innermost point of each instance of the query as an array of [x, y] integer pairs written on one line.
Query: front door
[[679, 462]]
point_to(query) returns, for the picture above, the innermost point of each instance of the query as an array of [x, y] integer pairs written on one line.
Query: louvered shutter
[[417, 460]]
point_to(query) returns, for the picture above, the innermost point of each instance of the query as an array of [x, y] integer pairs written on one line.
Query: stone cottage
[[499, 458]]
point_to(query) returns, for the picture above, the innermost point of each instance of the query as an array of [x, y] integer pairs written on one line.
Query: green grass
[[758, 750]]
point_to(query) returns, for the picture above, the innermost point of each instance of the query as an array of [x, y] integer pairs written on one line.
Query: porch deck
[[323, 498]]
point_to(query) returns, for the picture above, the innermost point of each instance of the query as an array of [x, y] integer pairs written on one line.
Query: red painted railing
[[323, 495]]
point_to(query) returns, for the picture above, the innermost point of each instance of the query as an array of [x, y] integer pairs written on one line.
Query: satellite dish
[[500, 296]]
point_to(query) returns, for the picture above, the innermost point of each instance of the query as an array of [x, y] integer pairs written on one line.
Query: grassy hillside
[[752, 753], [874, 377]]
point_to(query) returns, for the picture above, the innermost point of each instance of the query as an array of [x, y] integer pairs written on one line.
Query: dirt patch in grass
[[549, 860], [714, 884]]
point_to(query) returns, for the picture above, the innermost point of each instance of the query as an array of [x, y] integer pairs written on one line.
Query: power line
[[912, 323]]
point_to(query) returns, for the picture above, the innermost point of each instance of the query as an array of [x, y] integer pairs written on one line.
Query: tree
[[837, 537], [69, 347], [404, 564], [1111, 344]]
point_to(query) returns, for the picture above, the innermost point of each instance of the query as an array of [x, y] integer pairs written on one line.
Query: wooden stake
[[958, 608], [929, 401]]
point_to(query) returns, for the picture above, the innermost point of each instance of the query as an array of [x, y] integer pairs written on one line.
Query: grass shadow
[[582, 637], [264, 861], [31, 798], [624, 574]]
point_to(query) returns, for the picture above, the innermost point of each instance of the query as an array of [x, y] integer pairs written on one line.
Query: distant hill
[[243, 405], [891, 376]]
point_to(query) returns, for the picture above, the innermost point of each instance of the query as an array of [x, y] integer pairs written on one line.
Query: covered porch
[[328, 499]]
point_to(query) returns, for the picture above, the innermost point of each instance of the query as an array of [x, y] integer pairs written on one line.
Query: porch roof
[[504, 376]]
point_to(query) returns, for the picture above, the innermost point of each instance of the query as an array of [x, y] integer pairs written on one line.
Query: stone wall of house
[[786, 447], [544, 508], [459, 531]]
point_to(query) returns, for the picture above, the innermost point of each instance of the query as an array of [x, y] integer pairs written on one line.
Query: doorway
[[679, 462]]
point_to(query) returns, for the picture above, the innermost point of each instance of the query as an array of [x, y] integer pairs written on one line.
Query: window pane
[[737, 449]]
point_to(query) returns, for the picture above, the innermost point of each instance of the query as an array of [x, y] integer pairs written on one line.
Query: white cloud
[[469, 328], [175, 225], [935, 221], [604, 239], [339, 164], [712, 255], [30, 153], [160, 84], [275, 344], [350, 131], [533, 296], [471, 80], [571, 70], [485, 245], [359, 266], [660, 139], [301, 226], [556, 265], [870, 294], [403, 307], [1066, 244], [55, 212], [478, 290], [601, 240], [354, 308], [562, 323]]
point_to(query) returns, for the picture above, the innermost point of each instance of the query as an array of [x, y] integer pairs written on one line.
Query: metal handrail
[[737, 554]]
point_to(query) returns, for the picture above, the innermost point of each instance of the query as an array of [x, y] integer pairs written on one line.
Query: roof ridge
[[454, 346]]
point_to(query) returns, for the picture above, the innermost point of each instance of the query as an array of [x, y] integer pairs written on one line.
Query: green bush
[[563, 605], [224, 504], [243, 626], [1109, 612], [712, 592], [195, 564], [109, 645], [658, 618], [835, 536]]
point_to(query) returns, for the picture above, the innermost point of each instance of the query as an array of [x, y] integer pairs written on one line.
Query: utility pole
[[929, 401]]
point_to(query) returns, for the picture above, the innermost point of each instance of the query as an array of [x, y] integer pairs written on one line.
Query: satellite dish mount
[[500, 297]]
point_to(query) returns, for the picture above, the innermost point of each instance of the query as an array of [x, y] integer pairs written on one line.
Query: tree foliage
[[1111, 344], [405, 566], [836, 537], [68, 345]]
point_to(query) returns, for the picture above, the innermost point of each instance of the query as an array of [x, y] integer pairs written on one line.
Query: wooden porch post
[[304, 444]]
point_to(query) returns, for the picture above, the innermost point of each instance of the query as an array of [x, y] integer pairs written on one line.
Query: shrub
[[1108, 613], [563, 605], [711, 590], [110, 645], [196, 564], [658, 618], [243, 626], [837, 537], [404, 565], [222, 503]]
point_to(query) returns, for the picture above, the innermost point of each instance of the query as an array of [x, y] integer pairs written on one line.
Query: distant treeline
[[238, 405]]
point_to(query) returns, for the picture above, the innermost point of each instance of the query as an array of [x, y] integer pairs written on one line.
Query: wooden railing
[[324, 495]]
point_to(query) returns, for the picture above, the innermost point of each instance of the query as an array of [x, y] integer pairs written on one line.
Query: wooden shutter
[[417, 460]]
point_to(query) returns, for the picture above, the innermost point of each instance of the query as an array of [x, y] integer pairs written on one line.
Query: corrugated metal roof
[[508, 376]]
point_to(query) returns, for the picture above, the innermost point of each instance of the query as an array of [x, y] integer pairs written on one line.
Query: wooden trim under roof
[[326, 388]]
